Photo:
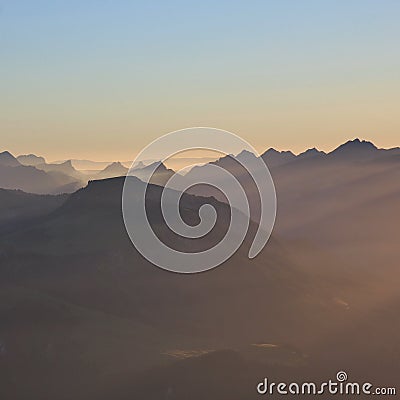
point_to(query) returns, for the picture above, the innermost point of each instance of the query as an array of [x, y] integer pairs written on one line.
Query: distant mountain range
[[31, 160], [113, 170], [31, 173], [8, 160], [352, 151], [40, 178], [351, 155]]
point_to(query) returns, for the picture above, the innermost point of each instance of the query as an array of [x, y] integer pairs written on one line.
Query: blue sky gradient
[[100, 79]]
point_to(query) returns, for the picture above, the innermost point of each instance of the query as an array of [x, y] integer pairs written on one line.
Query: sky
[[102, 79]]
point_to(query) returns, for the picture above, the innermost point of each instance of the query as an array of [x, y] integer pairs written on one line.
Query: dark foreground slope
[[84, 316], [18, 208]]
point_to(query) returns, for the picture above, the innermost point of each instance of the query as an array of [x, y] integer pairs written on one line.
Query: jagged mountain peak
[[67, 163], [158, 164], [114, 165], [275, 158], [271, 150], [311, 153], [356, 144], [8, 160], [113, 170], [31, 159], [245, 153]]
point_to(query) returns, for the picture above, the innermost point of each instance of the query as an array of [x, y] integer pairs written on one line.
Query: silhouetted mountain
[[64, 168], [33, 180], [354, 149], [311, 153], [161, 175], [245, 155], [113, 170], [320, 195], [228, 162], [31, 160], [8, 160], [274, 158], [86, 164], [18, 207], [40, 179], [89, 165], [351, 151]]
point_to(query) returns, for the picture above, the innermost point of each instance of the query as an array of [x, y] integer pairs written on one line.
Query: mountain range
[[31, 173], [33, 176], [84, 316]]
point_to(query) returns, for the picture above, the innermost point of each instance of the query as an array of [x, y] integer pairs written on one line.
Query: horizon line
[[51, 161]]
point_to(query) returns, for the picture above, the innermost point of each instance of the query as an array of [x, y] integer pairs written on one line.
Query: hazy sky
[[101, 79]]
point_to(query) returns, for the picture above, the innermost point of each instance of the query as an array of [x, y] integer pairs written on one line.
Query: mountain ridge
[[8, 160]]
